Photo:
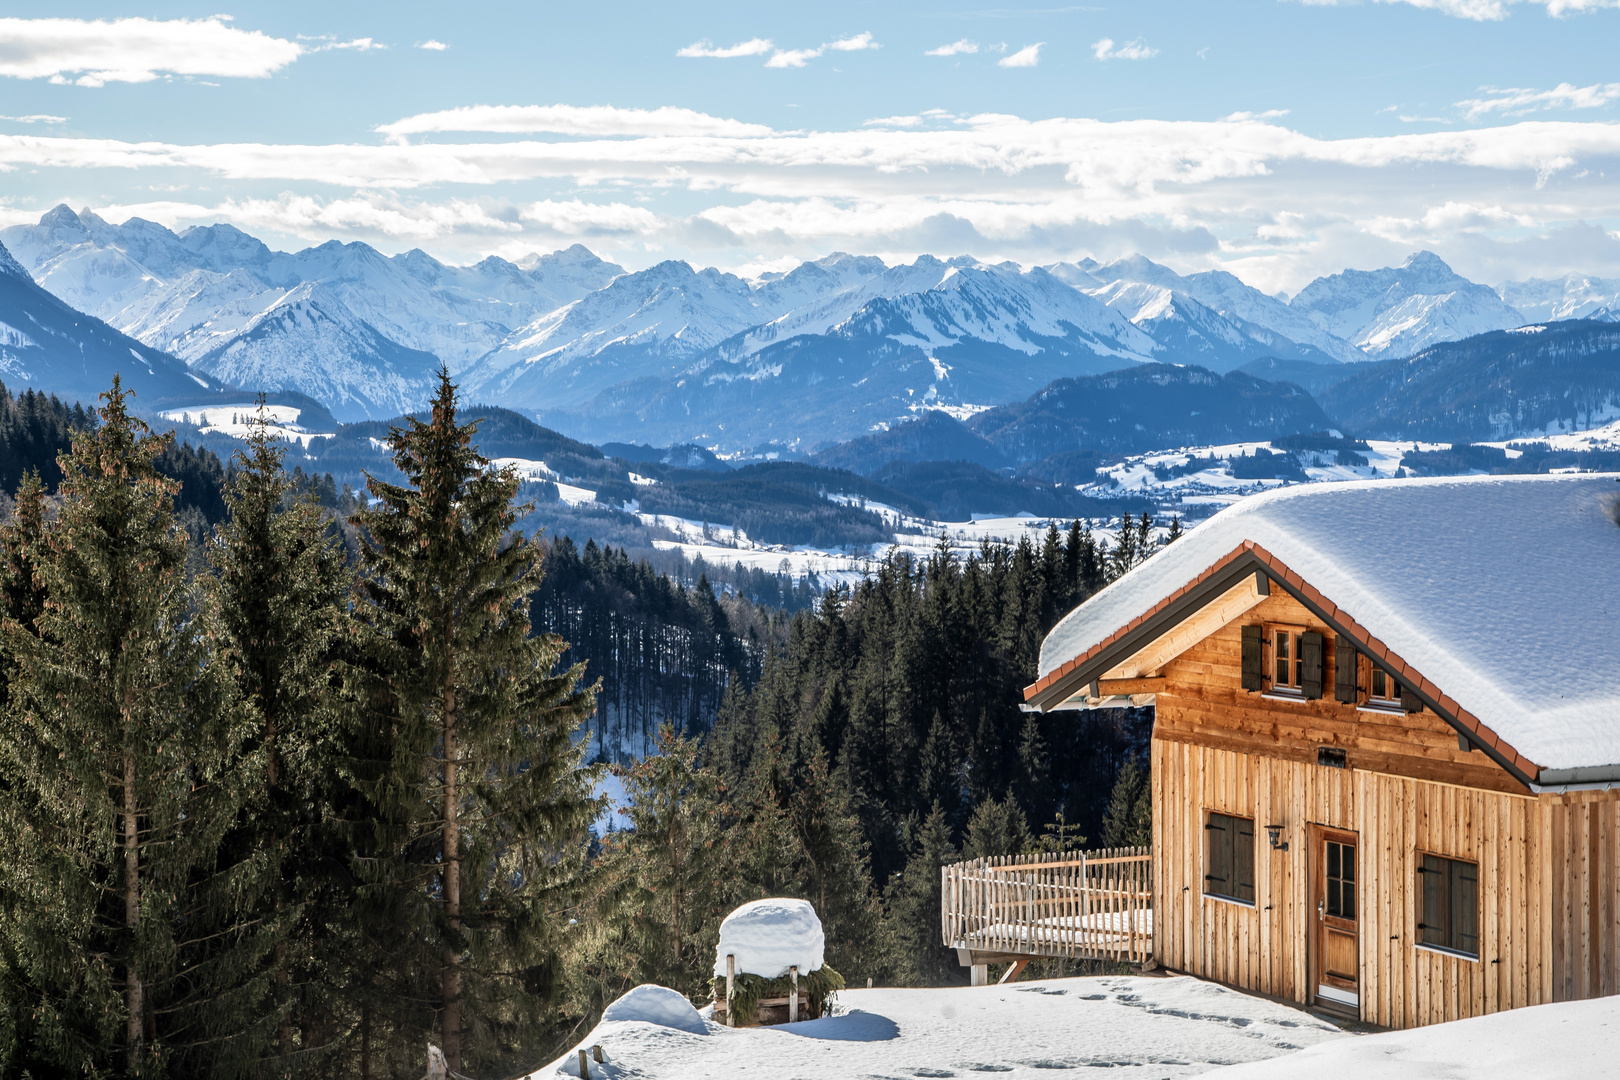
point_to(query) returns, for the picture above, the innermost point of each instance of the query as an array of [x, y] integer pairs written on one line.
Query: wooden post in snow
[[584, 1064], [793, 994], [731, 989]]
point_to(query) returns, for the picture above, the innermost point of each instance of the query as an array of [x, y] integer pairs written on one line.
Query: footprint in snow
[[932, 1072], [1046, 990]]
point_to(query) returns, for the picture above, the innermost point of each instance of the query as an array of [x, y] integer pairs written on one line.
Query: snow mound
[[660, 1005], [769, 936]]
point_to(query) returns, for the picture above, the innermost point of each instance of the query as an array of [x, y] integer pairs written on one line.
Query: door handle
[[1321, 910]]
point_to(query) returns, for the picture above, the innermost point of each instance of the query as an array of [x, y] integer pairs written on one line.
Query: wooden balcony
[[1080, 905]]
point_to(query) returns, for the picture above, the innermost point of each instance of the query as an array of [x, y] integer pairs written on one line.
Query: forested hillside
[[293, 794]]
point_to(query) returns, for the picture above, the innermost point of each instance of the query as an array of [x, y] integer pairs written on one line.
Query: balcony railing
[[1091, 905]]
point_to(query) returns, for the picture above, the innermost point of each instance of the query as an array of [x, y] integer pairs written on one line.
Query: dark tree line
[[664, 653]]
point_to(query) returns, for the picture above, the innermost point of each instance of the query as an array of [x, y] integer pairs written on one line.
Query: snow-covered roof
[[1503, 592]]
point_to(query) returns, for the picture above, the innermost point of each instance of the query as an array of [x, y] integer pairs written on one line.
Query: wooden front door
[[1338, 906]]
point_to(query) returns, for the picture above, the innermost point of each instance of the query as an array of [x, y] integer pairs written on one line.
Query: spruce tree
[[278, 587], [672, 862], [1129, 819], [478, 802], [125, 736]]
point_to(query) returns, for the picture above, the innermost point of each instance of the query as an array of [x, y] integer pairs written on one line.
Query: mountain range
[[835, 349]]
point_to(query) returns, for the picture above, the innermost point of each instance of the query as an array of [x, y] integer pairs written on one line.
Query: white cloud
[[893, 121], [574, 217], [955, 48], [1487, 10], [36, 118], [1516, 101], [363, 44], [786, 58], [1272, 204], [1028, 56], [1239, 117], [1132, 50], [432, 46], [97, 52], [706, 48], [857, 43], [598, 120]]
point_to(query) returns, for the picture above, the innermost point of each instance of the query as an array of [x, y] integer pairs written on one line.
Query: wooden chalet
[[1386, 748]]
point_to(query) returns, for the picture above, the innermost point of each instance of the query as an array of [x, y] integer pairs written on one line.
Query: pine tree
[[22, 591], [478, 799], [918, 958], [996, 828], [127, 930], [278, 588], [672, 861], [1129, 820]]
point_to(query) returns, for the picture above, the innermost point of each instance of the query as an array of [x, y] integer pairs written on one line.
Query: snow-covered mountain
[[46, 345], [980, 335], [1399, 311], [1254, 324], [1573, 296], [569, 334], [309, 341], [194, 292]]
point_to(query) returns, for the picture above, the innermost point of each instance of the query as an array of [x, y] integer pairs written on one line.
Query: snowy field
[[1133, 1026], [1576, 1039], [237, 421]]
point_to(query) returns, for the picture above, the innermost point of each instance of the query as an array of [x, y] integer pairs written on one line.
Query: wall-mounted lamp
[[1274, 833]]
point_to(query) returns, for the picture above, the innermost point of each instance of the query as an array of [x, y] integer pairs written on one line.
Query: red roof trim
[[1366, 641]]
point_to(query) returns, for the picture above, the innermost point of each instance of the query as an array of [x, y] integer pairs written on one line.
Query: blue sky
[[1275, 138]]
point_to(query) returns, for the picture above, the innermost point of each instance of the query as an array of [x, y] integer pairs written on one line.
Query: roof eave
[[1229, 571]]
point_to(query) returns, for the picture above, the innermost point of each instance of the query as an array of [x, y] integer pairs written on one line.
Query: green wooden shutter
[[1252, 663], [1310, 651], [1218, 855], [1243, 859], [1409, 700], [1344, 671]]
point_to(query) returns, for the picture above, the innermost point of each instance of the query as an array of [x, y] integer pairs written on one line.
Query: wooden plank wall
[[1549, 885], [1549, 865]]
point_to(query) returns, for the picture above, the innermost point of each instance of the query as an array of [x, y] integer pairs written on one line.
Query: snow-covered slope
[[1573, 296], [978, 335], [1250, 315], [194, 292], [1398, 311], [46, 345], [1569, 1039], [308, 341], [1139, 1027]]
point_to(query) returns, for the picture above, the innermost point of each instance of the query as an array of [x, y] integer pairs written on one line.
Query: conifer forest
[[296, 780]]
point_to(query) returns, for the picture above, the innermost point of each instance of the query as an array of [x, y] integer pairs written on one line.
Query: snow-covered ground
[[1547, 1042], [1133, 1026], [1215, 486], [237, 421], [726, 546]]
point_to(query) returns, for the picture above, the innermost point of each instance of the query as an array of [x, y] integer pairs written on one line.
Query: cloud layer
[[1246, 193], [598, 120], [97, 52]]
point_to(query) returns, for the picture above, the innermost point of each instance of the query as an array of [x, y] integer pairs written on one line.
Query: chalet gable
[[1474, 593]]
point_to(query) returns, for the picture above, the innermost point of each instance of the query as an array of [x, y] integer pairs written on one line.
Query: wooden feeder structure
[[778, 941]]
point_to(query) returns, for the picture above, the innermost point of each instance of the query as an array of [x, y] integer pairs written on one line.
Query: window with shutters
[[1294, 661], [1382, 688], [1448, 905], [1229, 857]]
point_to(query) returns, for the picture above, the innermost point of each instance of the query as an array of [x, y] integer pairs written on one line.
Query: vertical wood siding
[[1549, 884]]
